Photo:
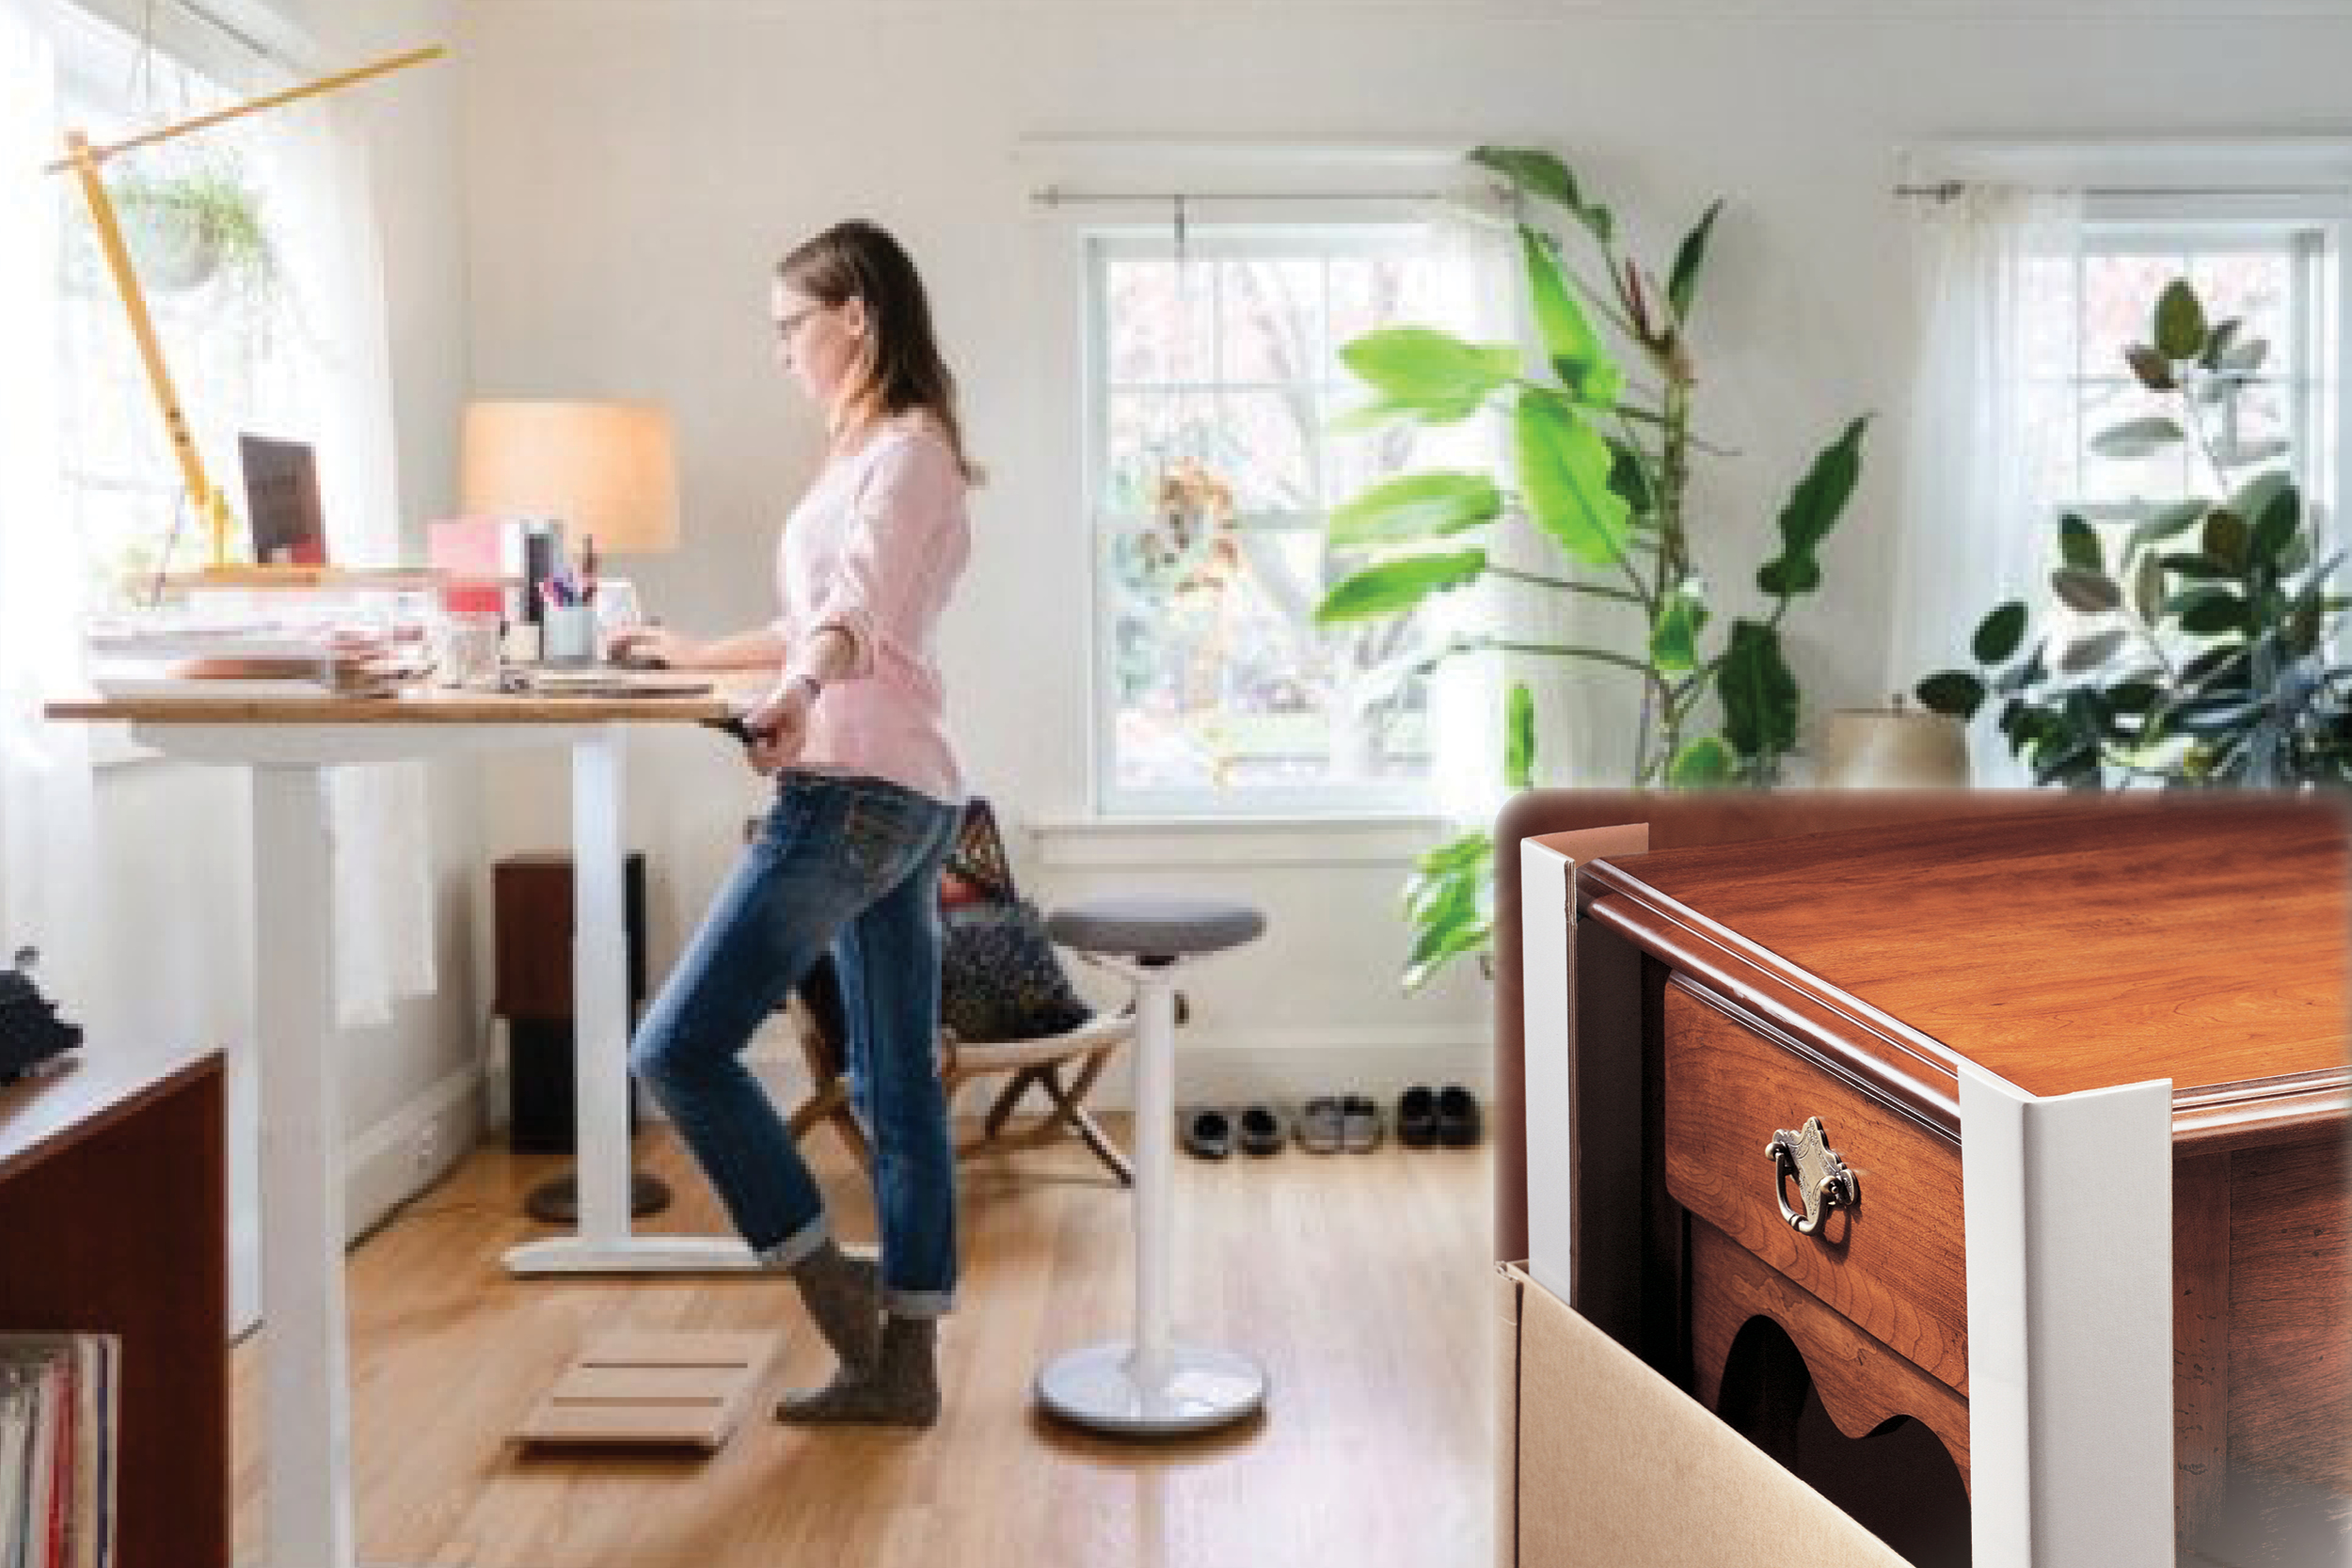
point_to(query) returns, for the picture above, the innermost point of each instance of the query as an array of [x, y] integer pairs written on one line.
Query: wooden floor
[[1361, 1281]]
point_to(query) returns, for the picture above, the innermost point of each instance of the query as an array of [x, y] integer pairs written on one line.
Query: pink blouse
[[874, 549]]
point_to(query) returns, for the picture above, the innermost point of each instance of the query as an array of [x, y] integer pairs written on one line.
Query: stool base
[[1201, 1390]]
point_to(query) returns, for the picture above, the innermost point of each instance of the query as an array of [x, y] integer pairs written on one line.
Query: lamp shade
[[608, 471], [1893, 747]]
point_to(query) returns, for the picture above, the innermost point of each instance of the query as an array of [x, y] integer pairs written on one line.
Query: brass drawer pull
[[1822, 1179]]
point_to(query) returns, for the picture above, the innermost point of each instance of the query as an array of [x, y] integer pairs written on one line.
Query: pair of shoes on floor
[[1426, 1115], [1212, 1133], [1331, 1122]]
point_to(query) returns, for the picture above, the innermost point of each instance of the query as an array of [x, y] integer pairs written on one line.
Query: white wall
[[636, 165]]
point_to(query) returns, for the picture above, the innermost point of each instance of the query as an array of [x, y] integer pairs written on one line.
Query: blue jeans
[[851, 864]]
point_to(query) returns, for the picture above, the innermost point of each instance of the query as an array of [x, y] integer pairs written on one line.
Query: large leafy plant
[[1602, 448], [2194, 649]]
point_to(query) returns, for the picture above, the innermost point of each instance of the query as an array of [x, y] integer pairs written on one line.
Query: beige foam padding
[[683, 1389], [1606, 1465]]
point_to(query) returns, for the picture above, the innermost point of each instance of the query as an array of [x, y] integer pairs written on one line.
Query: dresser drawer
[[1895, 1263]]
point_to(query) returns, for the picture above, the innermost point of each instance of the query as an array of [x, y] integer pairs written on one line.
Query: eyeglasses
[[789, 323]]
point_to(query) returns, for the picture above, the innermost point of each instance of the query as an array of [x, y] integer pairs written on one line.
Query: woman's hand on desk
[[655, 647]]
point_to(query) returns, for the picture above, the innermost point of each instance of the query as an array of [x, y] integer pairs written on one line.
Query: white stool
[[1153, 1387]]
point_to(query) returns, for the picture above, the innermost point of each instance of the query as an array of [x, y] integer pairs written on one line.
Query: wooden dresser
[[2079, 1034]]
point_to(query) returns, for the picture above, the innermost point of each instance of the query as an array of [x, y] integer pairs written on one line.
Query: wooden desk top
[[425, 706], [2199, 939]]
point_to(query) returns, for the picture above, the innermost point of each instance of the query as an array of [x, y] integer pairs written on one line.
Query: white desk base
[[306, 1396]]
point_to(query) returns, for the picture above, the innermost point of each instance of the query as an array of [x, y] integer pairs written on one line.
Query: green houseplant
[[201, 222], [1601, 461], [2194, 649]]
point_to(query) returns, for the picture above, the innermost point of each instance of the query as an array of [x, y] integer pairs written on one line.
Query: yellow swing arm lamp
[[84, 159]]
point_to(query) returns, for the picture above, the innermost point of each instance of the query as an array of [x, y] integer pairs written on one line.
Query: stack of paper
[[174, 657]]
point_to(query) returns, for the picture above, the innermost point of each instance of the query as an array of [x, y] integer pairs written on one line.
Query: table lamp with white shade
[[1896, 747], [606, 472]]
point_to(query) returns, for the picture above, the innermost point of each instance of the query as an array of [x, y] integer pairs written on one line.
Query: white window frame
[[1273, 230]]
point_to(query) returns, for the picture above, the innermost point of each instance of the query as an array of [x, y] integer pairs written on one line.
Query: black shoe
[[1457, 1116], [1359, 1124], [1417, 1116], [1209, 1133], [1261, 1130]]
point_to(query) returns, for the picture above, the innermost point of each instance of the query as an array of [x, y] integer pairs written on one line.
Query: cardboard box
[[1601, 1463]]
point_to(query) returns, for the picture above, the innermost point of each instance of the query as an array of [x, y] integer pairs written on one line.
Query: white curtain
[[1465, 695], [381, 855], [1990, 428], [48, 873]]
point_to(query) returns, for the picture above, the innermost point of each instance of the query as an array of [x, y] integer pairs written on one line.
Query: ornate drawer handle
[[1822, 1178]]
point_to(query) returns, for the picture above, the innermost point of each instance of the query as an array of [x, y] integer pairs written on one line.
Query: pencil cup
[[569, 634]]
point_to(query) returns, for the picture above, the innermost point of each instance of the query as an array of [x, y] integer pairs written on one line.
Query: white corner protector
[[2069, 1207]]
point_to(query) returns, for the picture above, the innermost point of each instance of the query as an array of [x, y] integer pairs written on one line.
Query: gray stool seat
[[1154, 927]]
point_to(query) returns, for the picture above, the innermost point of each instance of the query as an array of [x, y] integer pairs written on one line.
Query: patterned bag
[[999, 977]]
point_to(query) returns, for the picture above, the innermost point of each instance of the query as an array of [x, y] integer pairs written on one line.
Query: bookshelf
[[113, 1219]]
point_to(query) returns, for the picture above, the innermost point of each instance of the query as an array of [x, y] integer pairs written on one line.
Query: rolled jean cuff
[[796, 1247], [918, 1304]]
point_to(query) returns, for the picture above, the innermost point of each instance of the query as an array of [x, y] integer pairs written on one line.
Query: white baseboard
[[408, 1150]]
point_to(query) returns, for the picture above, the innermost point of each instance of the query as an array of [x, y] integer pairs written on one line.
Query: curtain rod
[[1054, 197], [1951, 190]]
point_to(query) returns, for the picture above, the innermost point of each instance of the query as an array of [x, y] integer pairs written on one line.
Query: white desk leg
[[603, 1242], [304, 1347], [599, 988]]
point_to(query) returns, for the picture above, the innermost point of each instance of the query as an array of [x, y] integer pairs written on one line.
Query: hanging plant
[[1190, 545], [204, 222]]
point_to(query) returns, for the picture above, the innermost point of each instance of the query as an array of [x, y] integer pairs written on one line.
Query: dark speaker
[[532, 895]]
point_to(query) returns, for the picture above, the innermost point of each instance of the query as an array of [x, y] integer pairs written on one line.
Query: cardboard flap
[[1615, 1467]]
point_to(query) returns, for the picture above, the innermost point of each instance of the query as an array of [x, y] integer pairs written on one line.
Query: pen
[[588, 568]]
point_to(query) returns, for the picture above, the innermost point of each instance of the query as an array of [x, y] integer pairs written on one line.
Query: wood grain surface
[[2291, 1312], [2201, 940], [2200, 1340], [412, 705], [1863, 1384], [113, 1206], [1895, 1264]]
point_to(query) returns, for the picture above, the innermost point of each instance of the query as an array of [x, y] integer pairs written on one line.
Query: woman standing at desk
[[849, 858]]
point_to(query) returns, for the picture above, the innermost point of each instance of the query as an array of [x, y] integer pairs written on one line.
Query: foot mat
[[667, 1390]]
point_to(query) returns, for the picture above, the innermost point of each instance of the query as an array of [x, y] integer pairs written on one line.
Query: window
[[200, 215], [1214, 379], [2275, 272]]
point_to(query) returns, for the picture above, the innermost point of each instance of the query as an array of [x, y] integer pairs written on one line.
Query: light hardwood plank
[[1363, 1282]]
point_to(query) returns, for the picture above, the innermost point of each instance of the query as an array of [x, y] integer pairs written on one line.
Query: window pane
[[1213, 506], [1143, 433], [1159, 319], [2119, 306], [2161, 475], [2251, 286], [1270, 317], [1265, 449]]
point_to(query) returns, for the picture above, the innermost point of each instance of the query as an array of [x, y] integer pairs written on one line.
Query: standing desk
[[287, 743]]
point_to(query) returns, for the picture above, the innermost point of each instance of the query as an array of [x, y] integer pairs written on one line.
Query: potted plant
[[188, 227], [1601, 465], [2194, 650]]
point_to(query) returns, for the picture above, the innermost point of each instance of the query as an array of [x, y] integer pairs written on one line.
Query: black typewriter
[[31, 1034]]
